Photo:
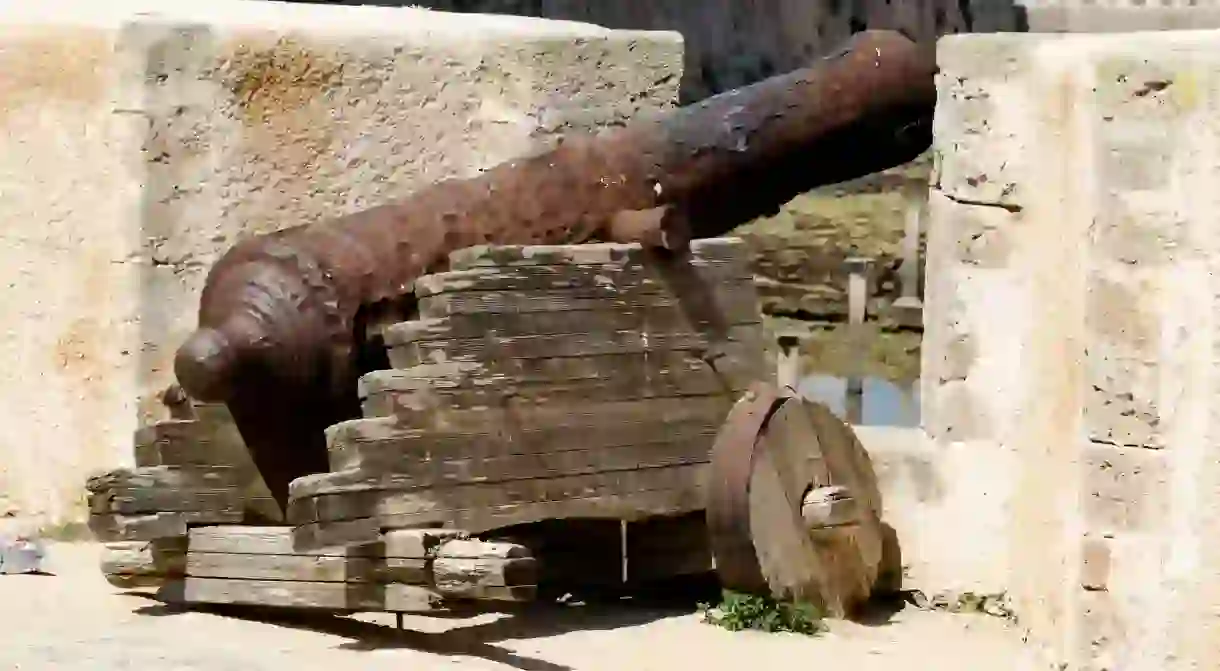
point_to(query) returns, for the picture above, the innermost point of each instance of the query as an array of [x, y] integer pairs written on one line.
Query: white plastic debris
[[20, 554]]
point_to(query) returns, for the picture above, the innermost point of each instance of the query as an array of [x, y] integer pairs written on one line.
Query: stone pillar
[[1072, 315]]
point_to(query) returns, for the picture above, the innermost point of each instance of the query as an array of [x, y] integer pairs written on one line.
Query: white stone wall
[[142, 139], [1072, 322]]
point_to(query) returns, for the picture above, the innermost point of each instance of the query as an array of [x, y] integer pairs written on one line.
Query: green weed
[[737, 612]]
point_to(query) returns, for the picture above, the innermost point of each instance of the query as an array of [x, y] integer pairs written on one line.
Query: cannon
[[404, 369]]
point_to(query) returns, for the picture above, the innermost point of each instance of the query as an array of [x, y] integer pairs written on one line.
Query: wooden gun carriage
[[535, 416], [554, 417]]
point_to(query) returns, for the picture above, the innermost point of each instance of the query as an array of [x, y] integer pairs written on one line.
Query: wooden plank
[[143, 563], [417, 543], [225, 439], [469, 577], [132, 501], [266, 540], [407, 571], [349, 482], [473, 548], [629, 505], [597, 320], [524, 372], [480, 508], [331, 596], [444, 409], [212, 439], [469, 569], [401, 598], [736, 303], [352, 495], [175, 442], [530, 428], [308, 537], [109, 528], [621, 277], [483, 464], [416, 396], [706, 249], [168, 477], [299, 567], [743, 340], [513, 455]]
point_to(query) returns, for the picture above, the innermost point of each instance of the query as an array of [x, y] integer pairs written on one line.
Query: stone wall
[[1071, 328], [139, 145], [731, 43]]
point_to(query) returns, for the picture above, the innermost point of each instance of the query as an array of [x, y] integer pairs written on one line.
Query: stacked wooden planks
[[543, 382], [188, 472], [407, 570]]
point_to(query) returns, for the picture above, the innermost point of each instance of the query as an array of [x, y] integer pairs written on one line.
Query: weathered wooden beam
[[404, 570]]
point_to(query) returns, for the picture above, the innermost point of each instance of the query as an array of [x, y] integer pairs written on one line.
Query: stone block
[[1124, 488], [142, 139]]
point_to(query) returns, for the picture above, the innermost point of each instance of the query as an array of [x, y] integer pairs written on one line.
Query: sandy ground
[[74, 620]]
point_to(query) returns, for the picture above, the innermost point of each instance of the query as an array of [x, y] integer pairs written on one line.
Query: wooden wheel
[[793, 507]]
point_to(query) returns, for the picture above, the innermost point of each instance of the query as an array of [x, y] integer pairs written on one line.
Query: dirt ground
[[74, 620]]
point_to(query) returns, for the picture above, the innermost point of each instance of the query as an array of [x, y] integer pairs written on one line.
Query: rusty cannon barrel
[[283, 316]]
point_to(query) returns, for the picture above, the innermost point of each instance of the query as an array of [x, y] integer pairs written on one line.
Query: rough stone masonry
[[1072, 323], [142, 138]]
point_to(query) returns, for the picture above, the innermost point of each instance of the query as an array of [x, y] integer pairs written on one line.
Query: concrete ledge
[[142, 139]]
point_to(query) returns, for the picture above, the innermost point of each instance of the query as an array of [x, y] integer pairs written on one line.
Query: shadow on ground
[[587, 612], [590, 611]]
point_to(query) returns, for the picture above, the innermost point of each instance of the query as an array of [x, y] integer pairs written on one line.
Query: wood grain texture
[[573, 277], [737, 303], [417, 394], [210, 439], [108, 528], [635, 494], [327, 596], [298, 568], [269, 540], [259, 566], [163, 477], [138, 564], [593, 321], [526, 429], [743, 340], [151, 502], [509, 455], [723, 249]]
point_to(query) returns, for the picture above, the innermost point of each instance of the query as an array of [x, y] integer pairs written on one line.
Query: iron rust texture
[[280, 321], [728, 490]]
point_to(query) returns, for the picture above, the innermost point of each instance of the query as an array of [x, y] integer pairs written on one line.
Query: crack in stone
[[1008, 207]]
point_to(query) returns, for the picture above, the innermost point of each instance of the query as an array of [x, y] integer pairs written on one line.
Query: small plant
[[737, 612]]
